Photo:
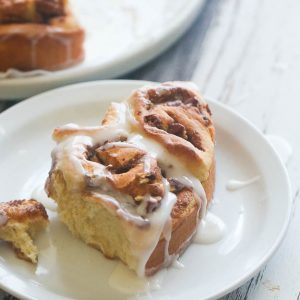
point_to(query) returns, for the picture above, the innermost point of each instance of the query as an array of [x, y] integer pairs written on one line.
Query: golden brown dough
[[176, 116], [20, 220]]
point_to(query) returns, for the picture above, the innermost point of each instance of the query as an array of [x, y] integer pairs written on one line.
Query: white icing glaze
[[70, 126], [96, 134], [127, 282], [147, 163], [40, 195], [177, 264], [158, 219], [173, 167], [233, 184], [71, 151], [211, 229], [13, 73], [167, 233], [119, 145], [68, 155], [281, 146]]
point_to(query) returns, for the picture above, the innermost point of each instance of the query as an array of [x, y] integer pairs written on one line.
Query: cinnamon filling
[[170, 95], [173, 126], [167, 109], [179, 97], [131, 171]]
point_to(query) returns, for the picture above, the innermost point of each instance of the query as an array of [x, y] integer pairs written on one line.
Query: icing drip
[[127, 282], [177, 264], [13, 73], [233, 184], [158, 219], [39, 194], [167, 233], [71, 153], [211, 229]]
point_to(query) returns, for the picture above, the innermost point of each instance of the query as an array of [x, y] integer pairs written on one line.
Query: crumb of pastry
[[20, 220]]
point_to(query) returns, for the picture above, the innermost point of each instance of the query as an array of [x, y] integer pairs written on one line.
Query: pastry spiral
[[128, 187]]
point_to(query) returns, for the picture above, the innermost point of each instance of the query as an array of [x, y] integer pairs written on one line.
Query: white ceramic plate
[[256, 216], [121, 35]]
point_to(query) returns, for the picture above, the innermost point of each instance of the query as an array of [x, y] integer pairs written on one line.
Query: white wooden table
[[246, 53]]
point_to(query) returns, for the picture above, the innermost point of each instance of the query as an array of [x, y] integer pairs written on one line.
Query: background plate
[[256, 216], [121, 36]]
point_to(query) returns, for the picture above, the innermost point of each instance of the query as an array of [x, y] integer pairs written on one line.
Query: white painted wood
[[251, 61]]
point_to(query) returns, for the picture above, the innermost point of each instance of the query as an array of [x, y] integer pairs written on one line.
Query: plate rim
[[141, 55], [134, 84]]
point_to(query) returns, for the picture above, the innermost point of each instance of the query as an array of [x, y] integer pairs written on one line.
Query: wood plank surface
[[251, 62]]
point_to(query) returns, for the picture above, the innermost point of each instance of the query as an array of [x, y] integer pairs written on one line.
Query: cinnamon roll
[[39, 34], [136, 186]]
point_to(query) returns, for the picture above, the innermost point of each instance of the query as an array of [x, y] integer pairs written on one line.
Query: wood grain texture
[[251, 61]]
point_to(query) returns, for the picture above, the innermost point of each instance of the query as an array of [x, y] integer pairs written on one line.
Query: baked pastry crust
[[35, 40], [127, 187], [177, 117], [184, 222], [20, 220]]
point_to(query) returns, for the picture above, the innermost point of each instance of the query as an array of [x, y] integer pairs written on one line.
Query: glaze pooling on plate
[[177, 264], [211, 229], [125, 281], [12, 73], [234, 184], [240, 254]]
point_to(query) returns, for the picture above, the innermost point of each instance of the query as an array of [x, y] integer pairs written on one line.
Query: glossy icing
[[234, 184], [211, 229], [69, 156]]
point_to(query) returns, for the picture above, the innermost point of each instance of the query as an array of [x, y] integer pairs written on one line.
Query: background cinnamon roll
[[39, 34]]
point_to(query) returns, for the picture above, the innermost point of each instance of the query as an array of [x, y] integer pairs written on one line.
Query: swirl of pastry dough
[[128, 186], [176, 116]]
